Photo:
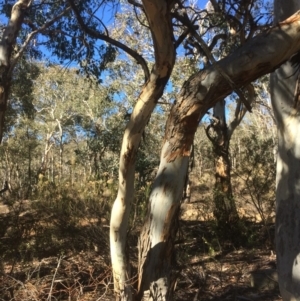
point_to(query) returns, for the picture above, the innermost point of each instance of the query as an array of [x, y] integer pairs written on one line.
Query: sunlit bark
[[158, 15], [156, 256], [259, 56]]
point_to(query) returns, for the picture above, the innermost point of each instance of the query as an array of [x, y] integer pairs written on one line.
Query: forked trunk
[[285, 95], [224, 205]]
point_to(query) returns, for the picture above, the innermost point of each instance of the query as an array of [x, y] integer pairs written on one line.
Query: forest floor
[[212, 272], [48, 258]]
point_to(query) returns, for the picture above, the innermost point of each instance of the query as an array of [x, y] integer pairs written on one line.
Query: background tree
[[229, 27], [10, 51], [201, 91]]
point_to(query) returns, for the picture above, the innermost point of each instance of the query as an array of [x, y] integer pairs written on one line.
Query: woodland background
[[59, 162]]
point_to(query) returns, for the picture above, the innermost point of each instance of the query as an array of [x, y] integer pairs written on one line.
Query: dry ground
[[212, 273], [48, 258]]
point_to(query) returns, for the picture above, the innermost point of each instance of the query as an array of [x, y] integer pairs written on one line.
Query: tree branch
[[258, 56], [97, 35], [29, 38], [185, 20], [240, 110]]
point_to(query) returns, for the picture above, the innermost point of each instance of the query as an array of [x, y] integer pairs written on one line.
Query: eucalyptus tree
[[201, 91], [228, 27], [258, 56], [65, 104], [158, 16], [17, 38], [285, 101], [205, 88]]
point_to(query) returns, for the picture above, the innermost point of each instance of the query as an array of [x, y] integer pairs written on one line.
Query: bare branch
[[216, 38], [53, 279], [241, 110], [181, 38], [134, 3]]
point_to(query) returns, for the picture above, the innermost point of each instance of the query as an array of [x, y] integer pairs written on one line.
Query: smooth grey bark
[[285, 95], [156, 243]]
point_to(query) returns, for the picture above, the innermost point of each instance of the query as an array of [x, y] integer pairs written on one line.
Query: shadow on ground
[[65, 256]]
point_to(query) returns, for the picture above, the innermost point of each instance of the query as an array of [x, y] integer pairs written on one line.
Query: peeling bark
[[156, 243], [158, 14], [261, 55]]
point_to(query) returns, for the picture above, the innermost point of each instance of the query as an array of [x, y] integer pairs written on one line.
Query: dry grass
[[55, 252]]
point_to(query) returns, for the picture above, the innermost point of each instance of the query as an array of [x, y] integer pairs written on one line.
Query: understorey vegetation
[[147, 148]]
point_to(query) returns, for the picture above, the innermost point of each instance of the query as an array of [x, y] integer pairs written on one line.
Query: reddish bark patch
[[129, 155]]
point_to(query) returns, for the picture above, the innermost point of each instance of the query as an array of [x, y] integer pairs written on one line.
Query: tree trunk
[[45, 158], [224, 205], [61, 149], [285, 95], [156, 244], [158, 15], [29, 185], [220, 135], [199, 93], [225, 210], [7, 42]]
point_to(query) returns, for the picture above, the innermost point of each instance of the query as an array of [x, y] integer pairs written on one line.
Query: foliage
[[258, 174], [65, 127], [21, 99]]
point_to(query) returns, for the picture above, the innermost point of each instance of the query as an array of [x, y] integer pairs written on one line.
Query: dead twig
[[53, 279]]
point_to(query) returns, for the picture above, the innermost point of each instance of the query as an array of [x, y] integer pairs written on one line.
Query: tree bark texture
[[7, 43], [261, 55], [285, 95], [158, 15], [156, 244]]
